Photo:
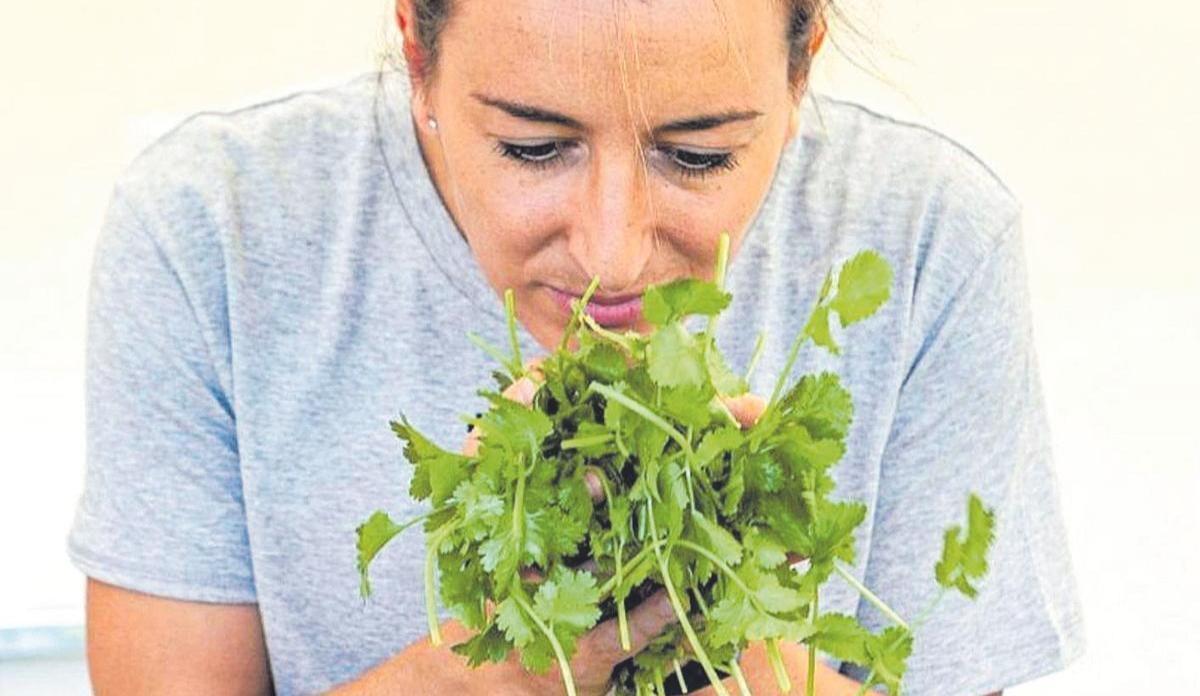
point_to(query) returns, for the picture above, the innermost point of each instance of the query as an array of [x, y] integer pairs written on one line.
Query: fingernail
[[664, 607]]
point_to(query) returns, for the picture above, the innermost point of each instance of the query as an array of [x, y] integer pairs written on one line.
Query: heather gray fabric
[[273, 285]]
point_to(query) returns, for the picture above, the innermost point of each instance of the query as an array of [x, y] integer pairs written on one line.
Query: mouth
[[608, 310]]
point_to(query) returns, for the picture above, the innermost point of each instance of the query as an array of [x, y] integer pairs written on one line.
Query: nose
[[613, 234]]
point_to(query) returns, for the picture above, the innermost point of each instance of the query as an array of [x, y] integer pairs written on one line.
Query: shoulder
[[930, 204], [216, 165], [898, 185]]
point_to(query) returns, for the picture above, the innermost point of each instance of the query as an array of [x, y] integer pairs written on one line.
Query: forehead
[[667, 55]]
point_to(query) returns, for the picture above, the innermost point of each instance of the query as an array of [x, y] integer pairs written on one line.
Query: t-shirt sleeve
[[162, 509], [970, 417]]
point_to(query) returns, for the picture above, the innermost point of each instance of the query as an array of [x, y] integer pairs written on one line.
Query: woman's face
[[615, 140]]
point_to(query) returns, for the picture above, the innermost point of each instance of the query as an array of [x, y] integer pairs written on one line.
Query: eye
[[538, 155], [691, 163]]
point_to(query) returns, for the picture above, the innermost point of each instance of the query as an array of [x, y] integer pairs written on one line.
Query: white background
[[1086, 108]]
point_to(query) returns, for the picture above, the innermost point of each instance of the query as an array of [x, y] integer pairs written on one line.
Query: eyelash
[[545, 155]]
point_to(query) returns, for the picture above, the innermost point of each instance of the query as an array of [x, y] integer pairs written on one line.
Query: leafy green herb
[[693, 503]]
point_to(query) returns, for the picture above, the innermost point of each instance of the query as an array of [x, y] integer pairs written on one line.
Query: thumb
[[745, 408], [646, 621]]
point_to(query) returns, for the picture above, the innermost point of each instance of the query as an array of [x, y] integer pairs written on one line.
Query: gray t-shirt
[[273, 285]]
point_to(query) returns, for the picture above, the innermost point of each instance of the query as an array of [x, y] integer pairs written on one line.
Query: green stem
[[719, 279], [871, 675], [640, 556], [611, 336], [700, 600], [435, 631], [681, 613], [510, 312], [518, 595], [787, 371], [364, 586], [924, 615], [683, 688], [810, 687], [724, 568], [740, 678], [759, 343], [518, 519], [719, 405], [590, 441], [636, 406], [488, 348], [687, 474], [776, 659], [659, 687], [622, 617], [870, 596], [577, 311]]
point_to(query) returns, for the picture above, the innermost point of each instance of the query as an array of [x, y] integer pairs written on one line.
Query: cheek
[[513, 210], [693, 219]]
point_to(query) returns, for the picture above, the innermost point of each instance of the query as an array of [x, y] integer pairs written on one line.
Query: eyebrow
[[539, 115], [529, 113]]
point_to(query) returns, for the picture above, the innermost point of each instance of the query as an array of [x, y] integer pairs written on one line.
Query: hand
[[599, 650]]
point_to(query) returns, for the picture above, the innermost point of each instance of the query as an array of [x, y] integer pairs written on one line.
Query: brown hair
[[803, 15]]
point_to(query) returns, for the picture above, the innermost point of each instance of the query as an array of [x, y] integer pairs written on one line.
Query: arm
[[142, 644], [761, 679], [409, 670]]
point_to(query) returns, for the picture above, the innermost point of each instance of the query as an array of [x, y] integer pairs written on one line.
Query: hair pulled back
[[432, 16]]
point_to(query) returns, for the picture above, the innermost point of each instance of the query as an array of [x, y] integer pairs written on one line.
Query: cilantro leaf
[[964, 558], [373, 535], [723, 379], [843, 637], [888, 654], [568, 600], [675, 358], [717, 539], [664, 304], [821, 404], [817, 329], [464, 587], [767, 551], [437, 471], [516, 626], [864, 284], [489, 645], [513, 426]]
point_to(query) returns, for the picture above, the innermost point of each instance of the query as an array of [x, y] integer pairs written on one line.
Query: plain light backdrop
[[1087, 109]]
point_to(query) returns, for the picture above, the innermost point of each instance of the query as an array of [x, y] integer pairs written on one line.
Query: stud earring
[[433, 124]]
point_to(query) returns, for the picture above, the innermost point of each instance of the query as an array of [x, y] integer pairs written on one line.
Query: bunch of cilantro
[[693, 503]]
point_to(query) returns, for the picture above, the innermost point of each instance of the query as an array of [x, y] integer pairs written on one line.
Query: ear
[[414, 58], [818, 38], [814, 45], [414, 53]]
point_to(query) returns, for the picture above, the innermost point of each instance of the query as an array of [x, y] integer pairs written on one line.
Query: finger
[[470, 446], [794, 558], [594, 486], [521, 391], [646, 621], [536, 576], [746, 408]]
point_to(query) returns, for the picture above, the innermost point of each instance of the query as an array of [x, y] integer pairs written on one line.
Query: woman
[[273, 285]]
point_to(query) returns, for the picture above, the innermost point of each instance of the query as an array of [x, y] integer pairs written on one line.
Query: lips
[[608, 311]]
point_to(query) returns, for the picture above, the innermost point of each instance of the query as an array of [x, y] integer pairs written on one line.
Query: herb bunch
[[710, 511]]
